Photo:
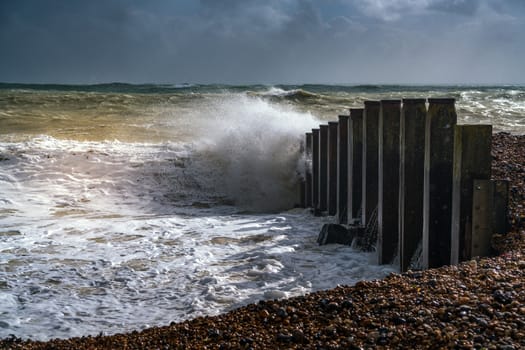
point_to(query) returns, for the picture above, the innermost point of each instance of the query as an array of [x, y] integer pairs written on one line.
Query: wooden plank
[[411, 173], [472, 160], [323, 168], [482, 224], [342, 169], [370, 160], [438, 179], [355, 159], [332, 168], [308, 171], [388, 181], [315, 168]]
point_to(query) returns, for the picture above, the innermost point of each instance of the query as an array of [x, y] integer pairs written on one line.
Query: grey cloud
[[78, 41], [390, 10], [244, 18], [344, 26], [271, 41]]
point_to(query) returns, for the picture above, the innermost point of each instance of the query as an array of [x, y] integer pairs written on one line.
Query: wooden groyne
[[404, 179]]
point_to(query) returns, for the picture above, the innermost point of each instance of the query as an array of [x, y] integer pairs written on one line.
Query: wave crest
[[255, 146]]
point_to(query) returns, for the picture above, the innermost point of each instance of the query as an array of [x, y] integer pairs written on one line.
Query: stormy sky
[[263, 41]]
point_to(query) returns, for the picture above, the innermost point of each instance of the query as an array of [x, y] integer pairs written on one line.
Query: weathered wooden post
[[472, 161], [388, 181], [332, 168], [323, 168], [489, 214], [481, 223], [411, 173], [342, 169], [438, 179], [302, 182], [370, 160], [355, 161], [308, 171], [315, 168]]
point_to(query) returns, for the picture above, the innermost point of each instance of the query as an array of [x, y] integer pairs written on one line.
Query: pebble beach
[[478, 304]]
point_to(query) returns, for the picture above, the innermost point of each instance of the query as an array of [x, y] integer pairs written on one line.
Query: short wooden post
[[370, 159], [482, 223], [412, 157], [388, 181], [315, 168], [489, 214], [323, 168], [355, 161], [332, 168], [472, 160], [308, 170], [342, 169], [437, 204]]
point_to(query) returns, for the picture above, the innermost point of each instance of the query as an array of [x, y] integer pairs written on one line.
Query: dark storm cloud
[[238, 41], [73, 40]]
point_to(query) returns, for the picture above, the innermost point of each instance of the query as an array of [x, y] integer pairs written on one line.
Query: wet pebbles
[[477, 304]]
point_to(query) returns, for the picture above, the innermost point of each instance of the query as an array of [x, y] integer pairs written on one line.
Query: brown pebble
[[264, 313]]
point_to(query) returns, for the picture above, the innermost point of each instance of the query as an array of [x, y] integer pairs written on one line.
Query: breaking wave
[[256, 147]]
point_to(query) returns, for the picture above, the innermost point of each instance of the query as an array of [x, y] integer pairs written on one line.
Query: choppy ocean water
[[128, 206]]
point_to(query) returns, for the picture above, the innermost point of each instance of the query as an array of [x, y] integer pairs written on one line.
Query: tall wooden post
[[315, 168], [355, 160], [308, 170], [302, 182], [370, 159], [332, 168], [437, 204], [388, 181], [323, 168], [472, 161], [411, 173], [342, 170]]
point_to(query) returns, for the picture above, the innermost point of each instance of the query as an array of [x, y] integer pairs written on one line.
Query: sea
[[128, 206]]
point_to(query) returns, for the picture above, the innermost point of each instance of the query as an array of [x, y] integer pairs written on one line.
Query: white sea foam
[[502, 108], [256, 144]]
